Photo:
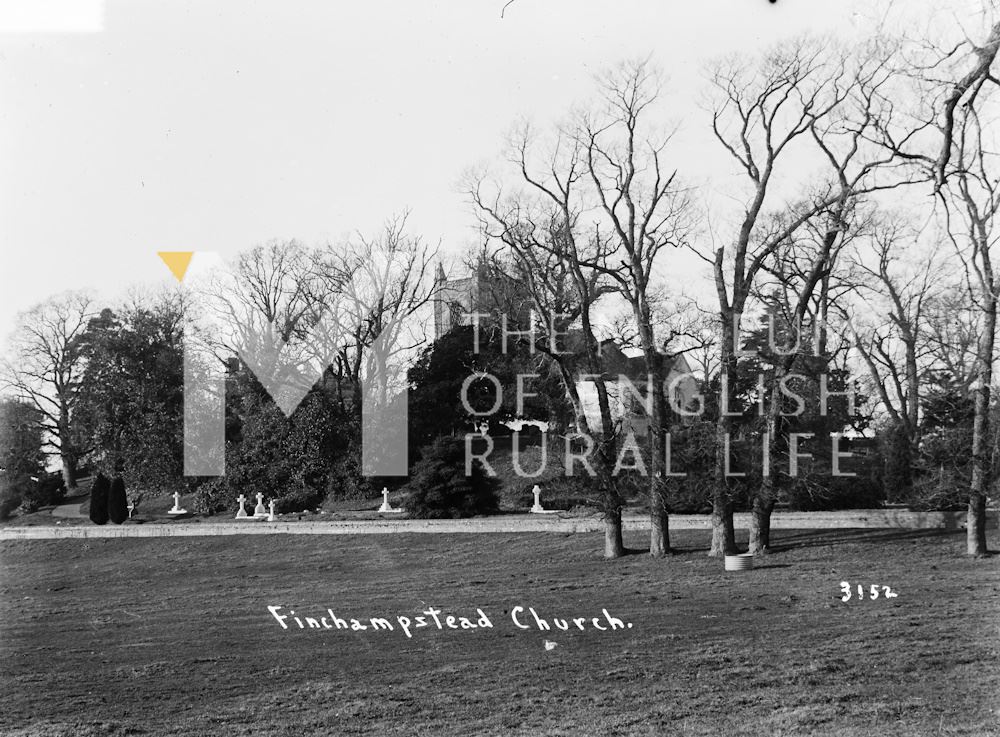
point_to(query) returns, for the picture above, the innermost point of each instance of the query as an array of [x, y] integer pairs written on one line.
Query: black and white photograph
[[503, 367]]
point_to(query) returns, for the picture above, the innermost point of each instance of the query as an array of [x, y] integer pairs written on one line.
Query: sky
[[215, 126]]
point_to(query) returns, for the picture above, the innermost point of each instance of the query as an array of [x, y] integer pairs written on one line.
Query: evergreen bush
[[99, 493], [440, 488], [303, 499], [117, 501]]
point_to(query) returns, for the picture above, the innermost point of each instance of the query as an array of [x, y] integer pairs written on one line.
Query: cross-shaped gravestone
[[386, 507], [538, 508], [259, 510], [177, 505], [270, 516], [243, 511]]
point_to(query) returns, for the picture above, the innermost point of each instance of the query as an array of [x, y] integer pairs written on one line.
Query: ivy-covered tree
[[131, 399], [297, 461]]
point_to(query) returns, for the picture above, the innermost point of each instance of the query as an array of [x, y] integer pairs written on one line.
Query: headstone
[[260, 512], [177, 505], [386, 507], [271, 517], [537, 508], [243, 510], [131, 508]]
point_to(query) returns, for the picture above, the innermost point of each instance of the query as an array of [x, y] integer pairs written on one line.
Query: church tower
[[453, 299]]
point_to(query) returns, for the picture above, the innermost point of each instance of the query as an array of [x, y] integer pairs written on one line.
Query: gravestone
[[243, 510], [177, 505], [260, 511], [537, 508], [386, 507]]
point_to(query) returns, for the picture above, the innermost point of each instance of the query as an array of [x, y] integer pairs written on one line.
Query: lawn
[[174, 637]]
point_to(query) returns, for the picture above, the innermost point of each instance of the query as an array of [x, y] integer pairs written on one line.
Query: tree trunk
[[723, 534], [760, 526], [613, 545], [659, 523], [723, 531], [68, 471], [766, 494], [981, 451], [659, 526], [975, 525], [604, 459], [765, 530], [610, 497]]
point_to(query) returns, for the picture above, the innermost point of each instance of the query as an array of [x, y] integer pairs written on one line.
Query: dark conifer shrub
[[117, 501], [440, 489], [99, 493]]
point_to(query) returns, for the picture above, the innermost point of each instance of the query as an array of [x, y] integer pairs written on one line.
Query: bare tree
[[555, 255], [608, 179], [950, 138], [45, 368], [372, 292], [797, 288], [703, 353], [892, 283], [951, 336], [979, 78], [959, 84], [291, 312], [798, 93], [647, 212], [265, 307], [971, 197]]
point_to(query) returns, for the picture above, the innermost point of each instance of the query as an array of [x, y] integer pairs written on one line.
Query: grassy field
[[173, 637]]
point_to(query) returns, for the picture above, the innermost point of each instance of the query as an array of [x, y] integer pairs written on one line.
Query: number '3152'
[[873, 592]]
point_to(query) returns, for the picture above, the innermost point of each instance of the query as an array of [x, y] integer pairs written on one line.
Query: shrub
[[28, 494], [897, 471], [99, 493], [7, 505], [28, 505], [944, 471], [298, 500], [346, 480], [10, 496], [562, 493], [941, 490], [117, 501], [692, 452], [212, 497], [440, 489], [823, 493], [691, 494], [277, 456], [513, 485], [21, 458], [51, 489]]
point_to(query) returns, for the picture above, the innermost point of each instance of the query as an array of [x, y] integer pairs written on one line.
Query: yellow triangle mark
[[177, 262]]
